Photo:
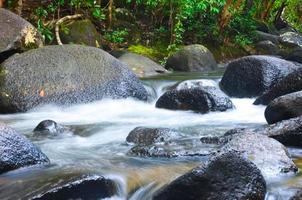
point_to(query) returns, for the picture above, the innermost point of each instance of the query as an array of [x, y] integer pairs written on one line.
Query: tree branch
[[60, 21]]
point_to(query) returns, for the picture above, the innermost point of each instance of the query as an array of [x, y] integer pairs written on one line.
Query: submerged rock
[[227, 176], [84, 188], [16, 151], [253, 75], [140, 65], [270, 156], [17, 34], [64, 75], [49, 128], [289, 84], [200, 100], [149, 136], [192, 58], [284, 107], [173, 148]]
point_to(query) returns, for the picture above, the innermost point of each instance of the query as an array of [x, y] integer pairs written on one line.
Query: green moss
[[158, 52]]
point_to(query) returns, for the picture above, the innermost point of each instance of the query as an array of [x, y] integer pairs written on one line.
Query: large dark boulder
[[289, 84], [64, 75], [269, 155], [251, 76], [16, 151], [284, 107], [149, 136], [262, 36], [81, 32], [84, 188], [192, 58], [228, 176], [17, 34], [202, 100], [140, 65]]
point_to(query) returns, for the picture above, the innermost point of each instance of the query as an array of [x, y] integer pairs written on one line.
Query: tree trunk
[[110, 8], [1, 3]]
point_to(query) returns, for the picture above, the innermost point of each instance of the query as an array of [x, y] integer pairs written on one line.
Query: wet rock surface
[[192, 58], [287, 132], [149, 136], [226, 176], [284, 107], [16, 151], [289, 84], [49, 128], [254, 75], [86, 188], [64, 75], [202, 100], [172, 149], [269, 155]]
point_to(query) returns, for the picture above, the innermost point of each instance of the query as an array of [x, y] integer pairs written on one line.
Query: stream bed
[[98, 143]]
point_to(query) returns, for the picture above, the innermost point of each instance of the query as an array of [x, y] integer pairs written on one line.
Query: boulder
[[140, 65], [149, 136], [85, 187], [16, 151], [291, 39], [289, 84], [269, 155], [226, 176], [17, 34], [295, 55], [262, 36], [49, 128], [192, 58], [284, 107], [251, 76], [81, 32], [201, 100], [64, 75], [288, 132], [267, 48]]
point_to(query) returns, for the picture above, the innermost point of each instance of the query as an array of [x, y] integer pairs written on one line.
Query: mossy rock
[[80, 32], [17, 34]]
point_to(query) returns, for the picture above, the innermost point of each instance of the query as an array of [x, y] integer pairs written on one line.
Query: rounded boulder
[[192, 58], [251, 76], [64, 75]]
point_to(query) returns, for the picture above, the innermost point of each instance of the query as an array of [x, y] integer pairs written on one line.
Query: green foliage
[[116, 36], [89, 7]]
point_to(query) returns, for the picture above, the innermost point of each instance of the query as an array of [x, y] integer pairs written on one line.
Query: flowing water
[[98, 144]]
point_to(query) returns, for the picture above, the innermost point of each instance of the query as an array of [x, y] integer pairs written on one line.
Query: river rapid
[[98, 143]]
